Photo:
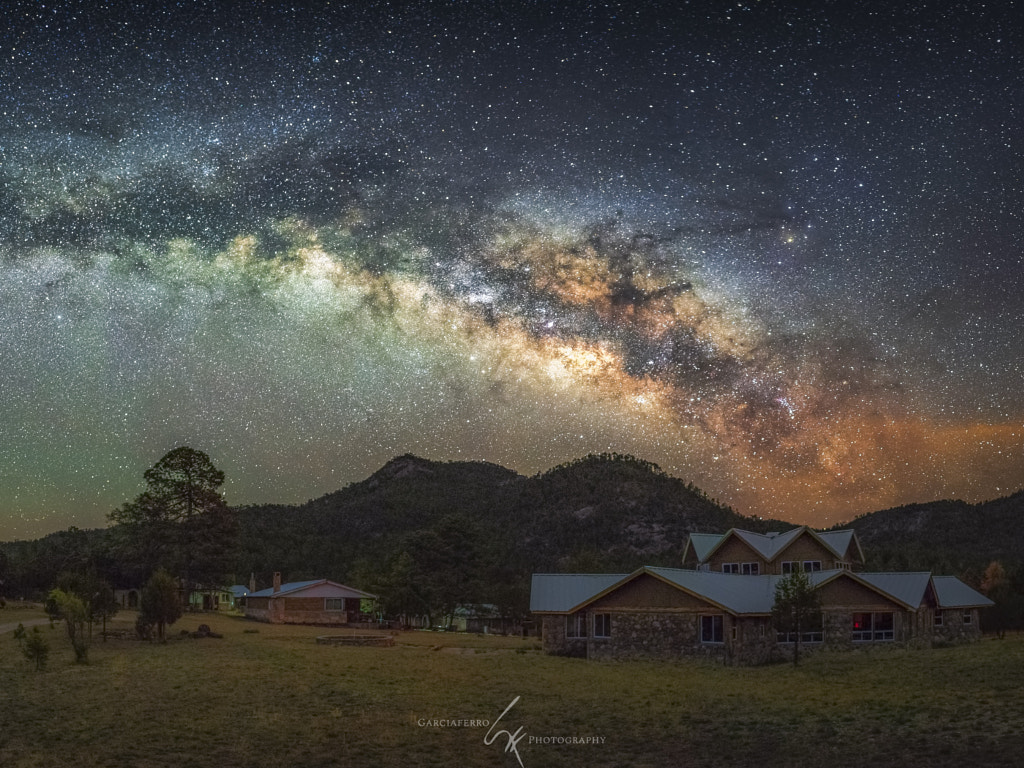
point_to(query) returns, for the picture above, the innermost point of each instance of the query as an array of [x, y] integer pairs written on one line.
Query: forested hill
[[477, 531], [605, 512], [944, 536]]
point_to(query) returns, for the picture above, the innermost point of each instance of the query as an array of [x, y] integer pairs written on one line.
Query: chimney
[[252, 582], [277, 582]]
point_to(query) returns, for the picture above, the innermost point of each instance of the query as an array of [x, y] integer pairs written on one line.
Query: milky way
[[774, 248]]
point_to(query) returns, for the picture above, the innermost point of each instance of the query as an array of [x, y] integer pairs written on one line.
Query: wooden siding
[[844, 594], [805, 547], [647, 593], [735, 550]]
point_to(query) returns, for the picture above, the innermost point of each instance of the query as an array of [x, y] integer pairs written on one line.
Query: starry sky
[[774, 247]]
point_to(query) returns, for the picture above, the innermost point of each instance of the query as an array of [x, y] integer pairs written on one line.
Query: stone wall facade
[[746, 640], [662, 635], [957, 625]]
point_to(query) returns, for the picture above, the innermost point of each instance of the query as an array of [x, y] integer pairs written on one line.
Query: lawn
[[271, 696]]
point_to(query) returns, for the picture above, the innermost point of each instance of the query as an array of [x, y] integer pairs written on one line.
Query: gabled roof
[[294, 587], [839, 541], [734, 593], [950, 592], [562, 592], [908, 588], [741, 594], [702, 544], [768, 545], [771, 545]]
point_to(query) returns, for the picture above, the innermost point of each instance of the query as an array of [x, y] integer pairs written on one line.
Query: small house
[[319, 601]]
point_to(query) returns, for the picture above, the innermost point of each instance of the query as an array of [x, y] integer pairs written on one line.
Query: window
[[842, 566], [751, 569], [711, 630], [868, 627], [730, 567], [812, 565], [968, 618], [787, 567], [938, 618], [814, 636], [334, 603], [602, 625], [575, 625]]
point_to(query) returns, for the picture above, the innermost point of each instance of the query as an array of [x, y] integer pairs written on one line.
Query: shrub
[[36, 649]]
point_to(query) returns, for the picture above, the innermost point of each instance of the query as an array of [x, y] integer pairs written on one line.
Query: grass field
[[270, 696]]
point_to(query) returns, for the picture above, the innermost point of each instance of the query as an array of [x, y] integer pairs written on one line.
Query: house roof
[[733, 592], [908, 588], [239, 590], [703, 543], [770, 545], [317, 586], [950, 592], [743, 594], [562, 592], [839, 541]]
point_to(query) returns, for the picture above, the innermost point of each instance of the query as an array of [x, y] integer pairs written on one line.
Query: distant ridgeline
[[420, 531]]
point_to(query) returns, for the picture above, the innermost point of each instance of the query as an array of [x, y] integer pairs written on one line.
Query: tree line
[[424, 536]]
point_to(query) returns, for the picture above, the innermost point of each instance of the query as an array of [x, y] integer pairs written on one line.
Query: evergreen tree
[[36, 649], [797, 608], [181, 521], [160, 604]]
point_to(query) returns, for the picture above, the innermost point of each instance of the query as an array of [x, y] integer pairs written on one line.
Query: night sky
[[775, 248]]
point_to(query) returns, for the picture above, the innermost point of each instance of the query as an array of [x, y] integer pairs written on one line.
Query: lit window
[[602, 625], [711, 629]]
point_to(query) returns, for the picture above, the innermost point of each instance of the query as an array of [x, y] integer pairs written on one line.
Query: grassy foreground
[[270, 696]]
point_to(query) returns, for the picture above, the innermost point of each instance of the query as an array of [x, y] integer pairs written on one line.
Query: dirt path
[[4, 628]]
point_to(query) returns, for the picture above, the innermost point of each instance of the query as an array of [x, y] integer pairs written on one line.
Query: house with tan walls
[[749, 553], [718, 610], [319, 601]]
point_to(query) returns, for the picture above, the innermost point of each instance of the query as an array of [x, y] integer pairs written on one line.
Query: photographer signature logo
[[512, 739]]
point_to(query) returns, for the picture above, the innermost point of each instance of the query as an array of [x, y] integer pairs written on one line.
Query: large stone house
[[721, 606], [308, 602]]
